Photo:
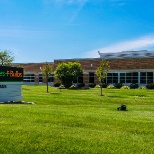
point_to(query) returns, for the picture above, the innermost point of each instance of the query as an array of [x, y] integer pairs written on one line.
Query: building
[[125, 67], [33, 73]]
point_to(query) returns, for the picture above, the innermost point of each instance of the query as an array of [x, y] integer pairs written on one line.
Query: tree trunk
[[101, 89], [47, 86]]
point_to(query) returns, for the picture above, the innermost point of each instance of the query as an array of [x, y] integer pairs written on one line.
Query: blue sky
[[44, 30]]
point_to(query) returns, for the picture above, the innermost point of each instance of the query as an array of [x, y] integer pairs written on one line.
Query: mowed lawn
[[78, 122]]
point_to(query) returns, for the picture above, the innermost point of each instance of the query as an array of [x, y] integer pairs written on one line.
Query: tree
[[6, 58], [102, 71], [46, 71], [67, 72]]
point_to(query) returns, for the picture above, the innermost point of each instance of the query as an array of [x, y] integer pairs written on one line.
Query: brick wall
[[115, 64], [34, 67]]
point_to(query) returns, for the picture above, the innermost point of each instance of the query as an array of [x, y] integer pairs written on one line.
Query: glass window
[[122, 74], [122, 78], [51, 78], [112, 77], [80, 79], [91, 77], [146, 77], [128, 74], [29, 78], [149, 77], [109, 74], [150, 74], [135, 73], [115, 74], [143, 74], [40, 78]]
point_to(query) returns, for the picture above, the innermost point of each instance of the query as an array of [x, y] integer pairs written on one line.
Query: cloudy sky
[[44, 30]]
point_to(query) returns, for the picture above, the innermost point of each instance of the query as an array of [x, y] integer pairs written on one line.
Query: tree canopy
[[6, 58], [67, 72]]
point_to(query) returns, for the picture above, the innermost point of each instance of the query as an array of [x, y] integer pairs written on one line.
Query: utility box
[[11, 80]]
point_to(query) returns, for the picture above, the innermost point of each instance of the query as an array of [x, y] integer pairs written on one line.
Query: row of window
[[31, 78], [131, 77]]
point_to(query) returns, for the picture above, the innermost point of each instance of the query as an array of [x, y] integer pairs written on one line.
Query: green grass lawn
[[78, 122]]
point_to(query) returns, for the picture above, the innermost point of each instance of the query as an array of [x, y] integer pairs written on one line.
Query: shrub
[[97, 86], [134, 86], [118, 85], [150, 86], [80, 85], [61, 87], [110, 86], [57, 84], [142, 87], [72, 87], [104, 85], [92, 85], [125, 87]]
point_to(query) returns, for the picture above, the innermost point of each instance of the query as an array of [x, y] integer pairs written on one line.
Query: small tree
[[67, 72], [102, 71], [46, 71], [6, 58]]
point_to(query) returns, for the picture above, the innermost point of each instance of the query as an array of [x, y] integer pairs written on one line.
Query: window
[[143, 77], [112, 78], [149, 77], [51, 78], [134, 77], [91, 77], [29, 78], [130, 77], [40, 78], [146, 77], [122, 77], [78, 79]]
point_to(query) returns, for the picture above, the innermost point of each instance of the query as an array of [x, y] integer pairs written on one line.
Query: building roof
[[128, 54]]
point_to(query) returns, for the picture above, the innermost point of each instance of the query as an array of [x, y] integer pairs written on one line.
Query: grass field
[[78, 122]]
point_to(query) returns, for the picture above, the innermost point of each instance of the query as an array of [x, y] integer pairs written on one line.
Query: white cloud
[[82, 3], [135, 44], [79, 3]]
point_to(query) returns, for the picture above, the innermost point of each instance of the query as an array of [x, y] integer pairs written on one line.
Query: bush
[[92, 85], [150, 86], [97, 86], [125, 87], [110, 87], [142, 87], [104, 85], [118, 85], [72, 87], [61, 87], [57, 84], [134, 86], [80, 85]]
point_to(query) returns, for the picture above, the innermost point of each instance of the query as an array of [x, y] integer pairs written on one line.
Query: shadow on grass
[[55, 93], [116, 96]]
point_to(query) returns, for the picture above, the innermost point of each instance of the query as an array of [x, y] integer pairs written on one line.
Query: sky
[[44, 30]]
